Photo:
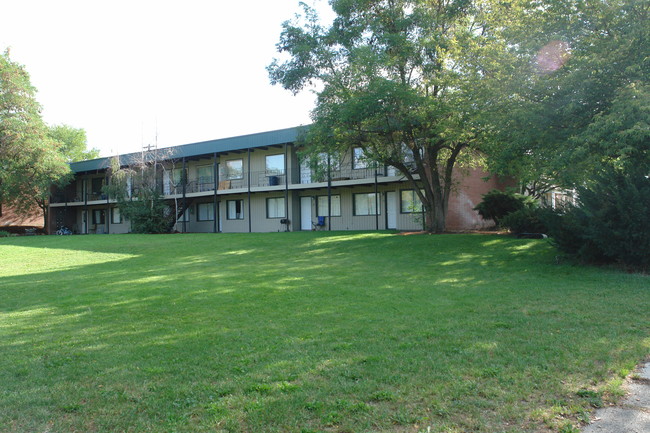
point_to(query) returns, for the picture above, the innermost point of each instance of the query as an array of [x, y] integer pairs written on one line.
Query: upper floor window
[[275, 164], [358, 158], [234, 169], [96, 185], [204, 173]]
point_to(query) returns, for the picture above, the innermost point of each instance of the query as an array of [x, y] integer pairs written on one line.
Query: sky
[[139, 72]]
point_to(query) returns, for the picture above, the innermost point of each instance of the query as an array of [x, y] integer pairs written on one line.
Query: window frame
[[283, 208], [376, 200], [241, 201], [102, 219], [274, 171], [210, 206], [318, 199], [117, 220], [228, 169], [357, 163], [414, 197]]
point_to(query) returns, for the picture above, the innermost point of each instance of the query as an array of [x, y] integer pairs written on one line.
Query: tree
[[580, 100], [30, 162], [402, 79], [72, 143]]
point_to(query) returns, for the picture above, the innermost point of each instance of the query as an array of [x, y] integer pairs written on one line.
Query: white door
[[391, 210], [305, 213], [84, 215]]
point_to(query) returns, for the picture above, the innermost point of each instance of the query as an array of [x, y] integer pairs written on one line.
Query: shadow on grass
[[316, 331]]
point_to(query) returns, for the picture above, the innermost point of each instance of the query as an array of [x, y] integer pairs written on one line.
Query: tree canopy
[[403, 80], [580, 101], [30, 161], [72, 143]]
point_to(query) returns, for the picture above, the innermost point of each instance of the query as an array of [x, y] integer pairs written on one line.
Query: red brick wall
[[469, 190], [9, 218]]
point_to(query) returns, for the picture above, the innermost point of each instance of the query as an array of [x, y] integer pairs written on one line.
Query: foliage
[[137, 192], [497, 204], [402, 79], [30, 162], [582, 98], [4, 234], [176, 333], [72, 143], [528, 219], [610, 223]]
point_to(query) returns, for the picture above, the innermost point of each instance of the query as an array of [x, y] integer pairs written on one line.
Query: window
[[185, 217], [99, 216], [322, 205], [96, 185], [275, 207], [205, 212], [410, 202], [358, 158], [275, 164], [235, 209], [116, 216], [335, 161], [365, 204], [235, 169], [204, 173]]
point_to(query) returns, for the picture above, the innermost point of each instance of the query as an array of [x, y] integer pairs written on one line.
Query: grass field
[[309, 332]]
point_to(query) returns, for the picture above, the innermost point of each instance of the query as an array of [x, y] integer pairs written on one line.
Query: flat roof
[[241, 142]]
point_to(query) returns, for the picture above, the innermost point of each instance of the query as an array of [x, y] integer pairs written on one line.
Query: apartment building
[[257, 183]]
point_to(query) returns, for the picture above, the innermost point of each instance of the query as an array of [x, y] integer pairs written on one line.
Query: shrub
[[497, 204], [4, 234], [526, 220], [610, 223]]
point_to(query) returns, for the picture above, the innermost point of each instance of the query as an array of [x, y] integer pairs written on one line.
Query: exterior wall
[[10, 218]]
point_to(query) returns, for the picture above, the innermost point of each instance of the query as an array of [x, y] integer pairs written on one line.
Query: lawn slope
[[309, 332]]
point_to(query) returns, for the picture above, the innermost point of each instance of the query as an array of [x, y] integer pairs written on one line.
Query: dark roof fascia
[[242, 142]]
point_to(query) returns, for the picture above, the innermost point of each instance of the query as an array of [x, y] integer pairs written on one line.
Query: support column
[[376, 203], [215, 205], [248, 170], [329, 193], [184, 183], [286, 190], [108, 207]]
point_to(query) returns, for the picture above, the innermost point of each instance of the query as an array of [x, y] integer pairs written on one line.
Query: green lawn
[[309, 332]]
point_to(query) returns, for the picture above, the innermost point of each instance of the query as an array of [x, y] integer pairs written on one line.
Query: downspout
[[250, 222]]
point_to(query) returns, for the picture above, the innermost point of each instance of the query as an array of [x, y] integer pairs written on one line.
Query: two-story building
[[257, 183]]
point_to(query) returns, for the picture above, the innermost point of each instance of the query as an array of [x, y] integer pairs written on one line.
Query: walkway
[[632, 415]]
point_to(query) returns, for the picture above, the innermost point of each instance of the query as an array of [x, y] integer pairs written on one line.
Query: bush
[[497, 204], [526, 220], [611, 222], [4, 234]]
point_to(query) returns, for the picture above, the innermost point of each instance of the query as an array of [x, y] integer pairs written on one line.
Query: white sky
[[120, 69]]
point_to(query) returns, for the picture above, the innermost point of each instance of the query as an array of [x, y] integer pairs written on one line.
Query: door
[[84, 222], [305, 213], [391, 210]]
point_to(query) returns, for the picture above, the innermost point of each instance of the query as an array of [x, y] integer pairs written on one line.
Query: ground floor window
[[235, 209], [275, 207], [116, 216], [410, 202], [99, 216], [366, 204], [205, 212], [322, 205]]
